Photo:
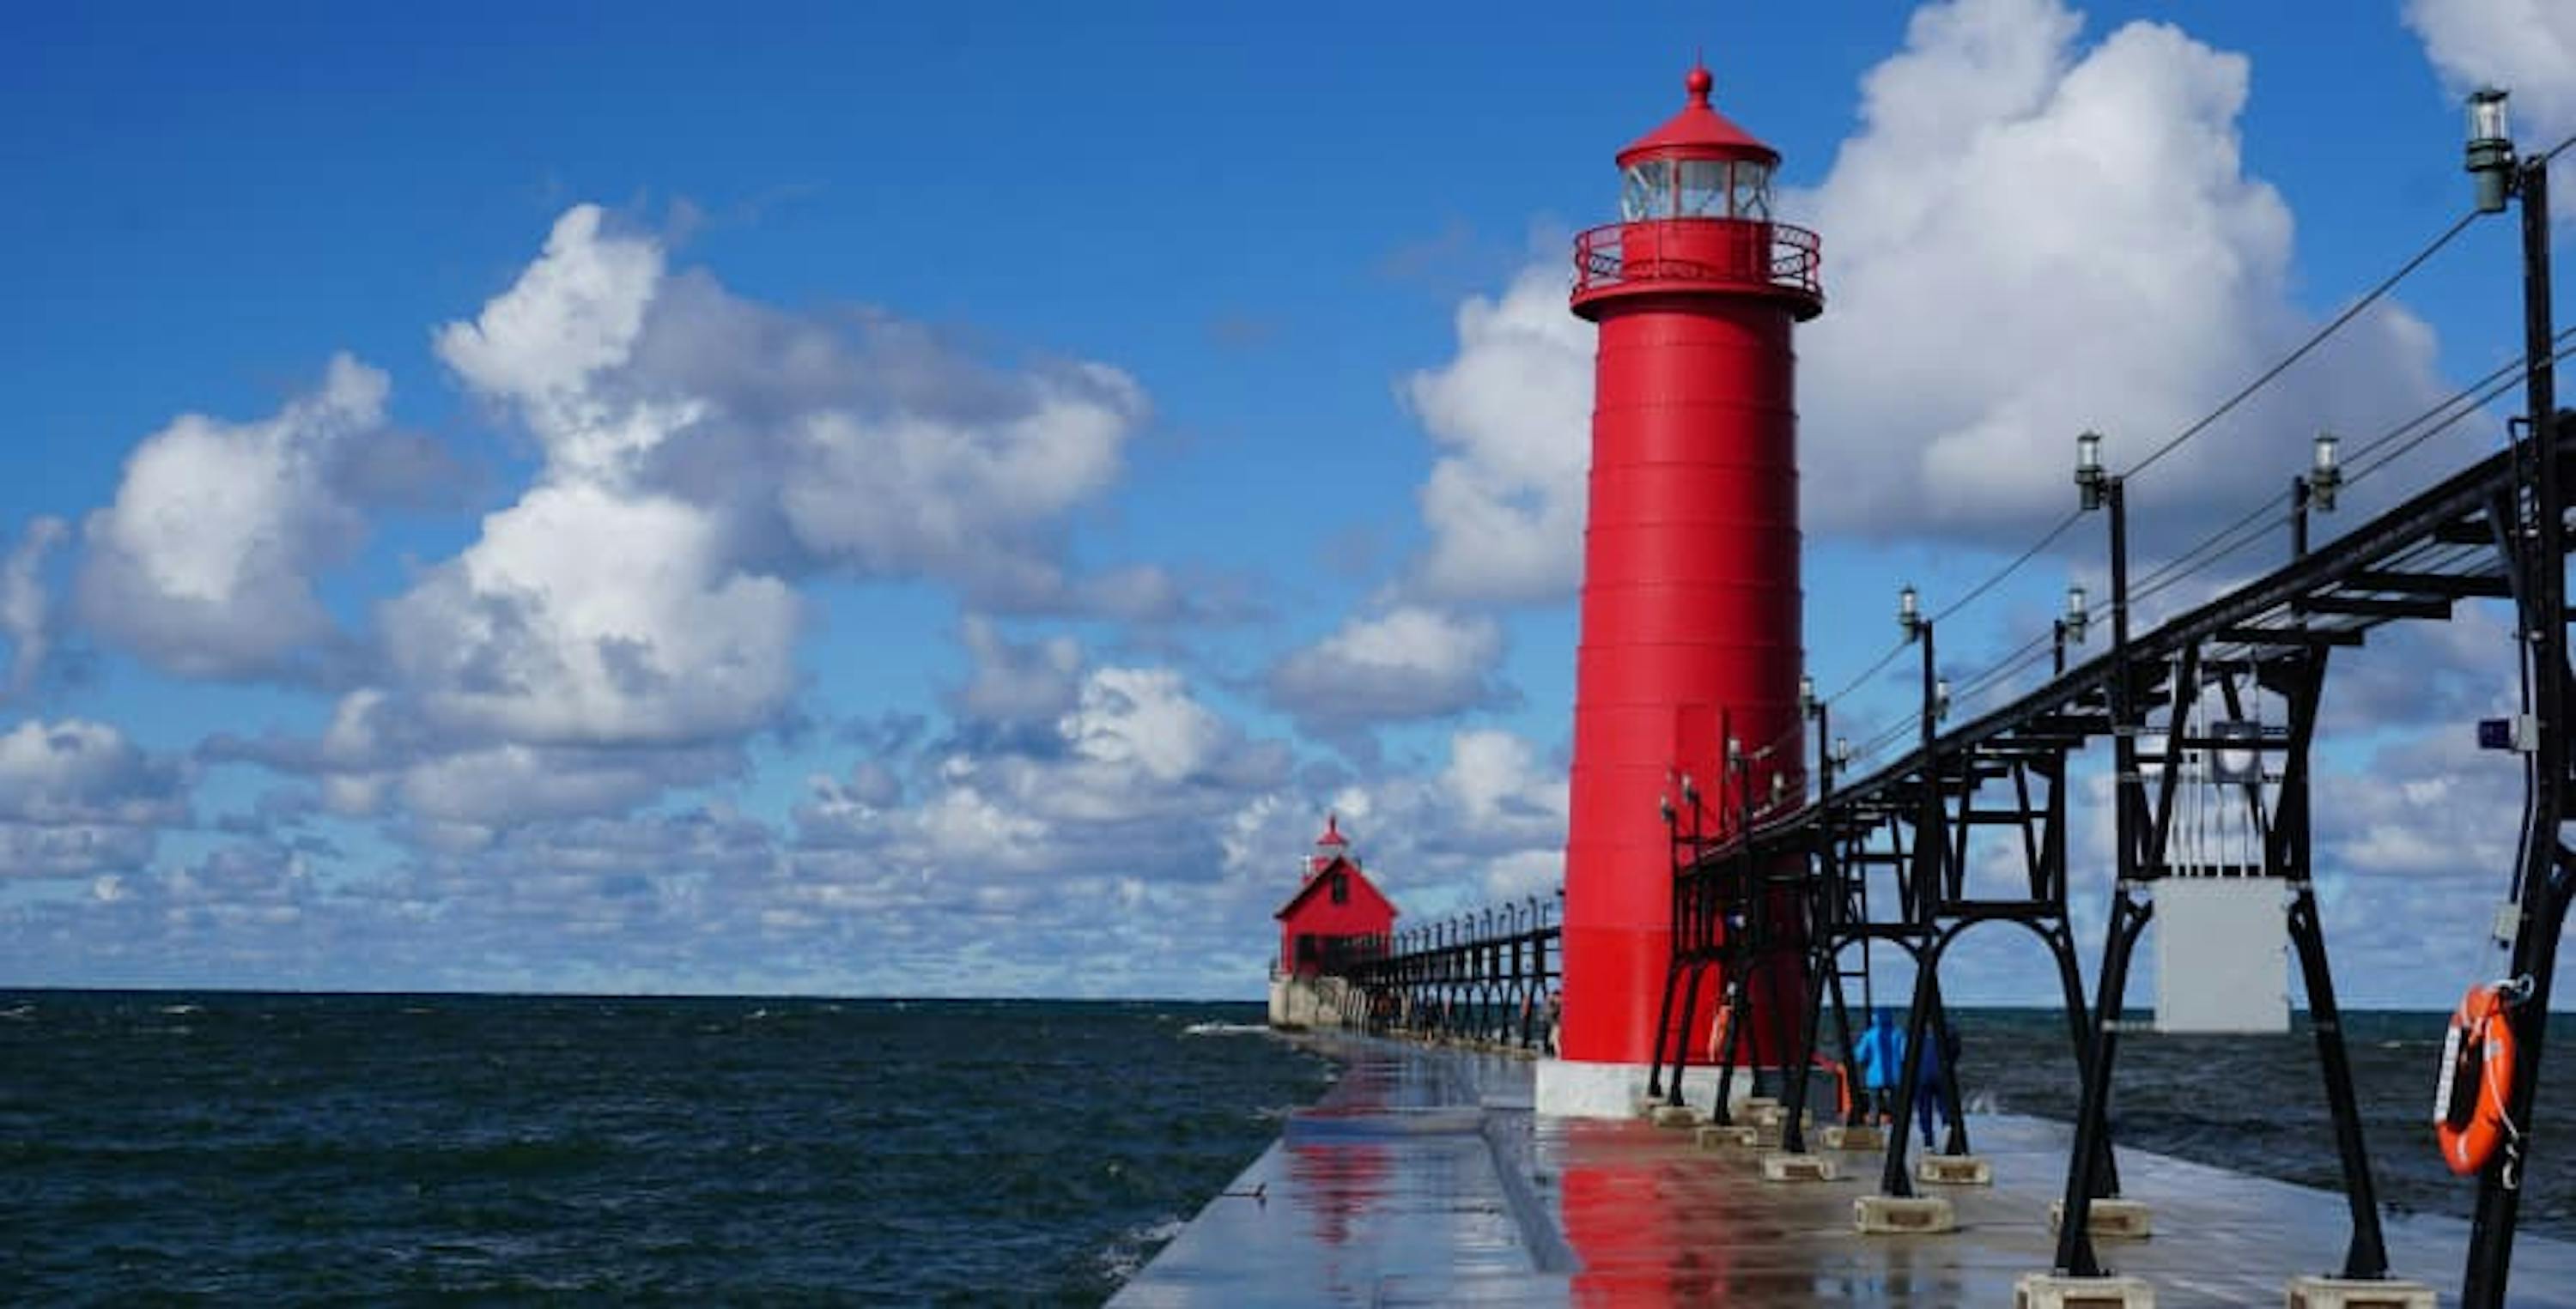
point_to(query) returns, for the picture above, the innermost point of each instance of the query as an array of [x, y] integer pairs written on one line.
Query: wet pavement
[[1423, 1178]]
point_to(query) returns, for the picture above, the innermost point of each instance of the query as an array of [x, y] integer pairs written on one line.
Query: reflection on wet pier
[[1423, 1178]]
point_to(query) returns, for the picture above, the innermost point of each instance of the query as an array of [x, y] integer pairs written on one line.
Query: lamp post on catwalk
[[1690, 564]]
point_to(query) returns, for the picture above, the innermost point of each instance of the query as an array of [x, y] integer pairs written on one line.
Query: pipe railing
[[1698, 250], [1483, 974]]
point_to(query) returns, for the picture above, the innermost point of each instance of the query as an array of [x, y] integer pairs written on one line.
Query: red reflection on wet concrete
[[1630, 1209]]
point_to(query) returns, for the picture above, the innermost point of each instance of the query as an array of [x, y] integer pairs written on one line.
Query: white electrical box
[[2222, 955]]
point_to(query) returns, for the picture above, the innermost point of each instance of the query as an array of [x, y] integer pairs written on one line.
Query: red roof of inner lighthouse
[[1698, 132], [1332, 831], [1315, 885]]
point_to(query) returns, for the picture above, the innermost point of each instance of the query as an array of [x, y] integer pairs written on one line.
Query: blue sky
[[863, 499]]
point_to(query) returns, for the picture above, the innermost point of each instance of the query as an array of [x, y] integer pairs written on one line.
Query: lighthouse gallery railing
[[1698, 251]]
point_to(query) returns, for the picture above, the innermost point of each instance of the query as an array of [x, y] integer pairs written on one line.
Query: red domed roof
[[1332, 831], [1698, 132]]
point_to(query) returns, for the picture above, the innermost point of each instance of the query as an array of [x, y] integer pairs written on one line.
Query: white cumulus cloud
[[1512, 415], [2527, 47], [631, 618], [26, 607], [587, 617], [1409, 662], [1012, 682], [574, 312], [204, 562], [2030, 238], [78, 799]]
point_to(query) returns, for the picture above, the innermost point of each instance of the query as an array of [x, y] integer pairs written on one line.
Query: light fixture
[[2076, 617], [2089, 476], [1690, 791], [1806, 695], [2490, 151], [2325, 477], [1940, 698], [1909, 611], [1842, 750]]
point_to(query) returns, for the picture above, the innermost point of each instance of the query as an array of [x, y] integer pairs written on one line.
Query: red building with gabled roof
[[1335, 903]]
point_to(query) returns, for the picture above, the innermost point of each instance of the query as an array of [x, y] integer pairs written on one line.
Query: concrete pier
[[1424, 1178]]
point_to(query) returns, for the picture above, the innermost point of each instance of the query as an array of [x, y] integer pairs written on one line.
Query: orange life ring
[[2477, 1081]]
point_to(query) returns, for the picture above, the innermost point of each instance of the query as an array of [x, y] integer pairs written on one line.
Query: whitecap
[[182, 1009], [1124, 1257], [1225, 1029]]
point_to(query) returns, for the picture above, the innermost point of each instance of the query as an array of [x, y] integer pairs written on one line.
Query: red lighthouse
[[1336, 910], [1690, 567]]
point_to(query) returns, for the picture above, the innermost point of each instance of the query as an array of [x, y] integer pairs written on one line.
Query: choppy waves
[[684, 1151], [2257, 1103]]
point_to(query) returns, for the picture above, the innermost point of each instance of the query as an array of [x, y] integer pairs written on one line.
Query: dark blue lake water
[[2257, 1103], [259, 1149]]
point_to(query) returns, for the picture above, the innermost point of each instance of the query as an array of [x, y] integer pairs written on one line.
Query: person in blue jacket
[[1880, 1052]]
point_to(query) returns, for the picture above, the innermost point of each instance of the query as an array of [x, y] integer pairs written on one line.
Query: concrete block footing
[[1755, 1104], [1775, 1116], [2120, 1219], [1954, 1170], [1798, 1168], [1715, 1138], [1863, 1137], [2055, 1291], [1675, 1115], [2355, 1293], [1877, 1215]]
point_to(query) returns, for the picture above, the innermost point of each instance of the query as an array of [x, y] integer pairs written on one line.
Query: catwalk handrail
[[1485, 972], [2469, 491]]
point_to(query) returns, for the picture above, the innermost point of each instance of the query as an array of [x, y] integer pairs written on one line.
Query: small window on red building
[[1341, 888]]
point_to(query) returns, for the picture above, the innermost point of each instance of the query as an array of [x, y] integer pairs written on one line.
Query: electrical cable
[[2192, 561], [2314, 340], [2480, 401], [2009, 569], [1871, 671], [2509, 371], [2442, 416]]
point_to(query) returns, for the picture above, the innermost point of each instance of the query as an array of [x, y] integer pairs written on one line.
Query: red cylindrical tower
[[1690, 563]]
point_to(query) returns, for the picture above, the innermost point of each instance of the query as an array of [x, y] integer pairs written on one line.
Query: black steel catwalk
[[1793, 885], [1486, 974]]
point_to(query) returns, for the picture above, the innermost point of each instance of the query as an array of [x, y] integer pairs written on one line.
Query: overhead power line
[[2314, 340]]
